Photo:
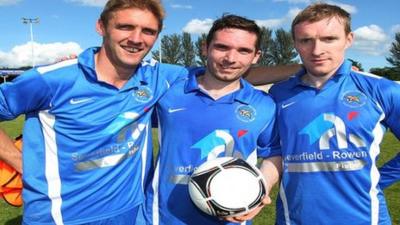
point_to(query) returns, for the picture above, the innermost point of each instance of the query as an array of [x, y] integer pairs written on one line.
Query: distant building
[[8, 75]]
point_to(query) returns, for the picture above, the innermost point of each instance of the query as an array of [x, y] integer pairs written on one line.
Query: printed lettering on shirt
[[324, 130]]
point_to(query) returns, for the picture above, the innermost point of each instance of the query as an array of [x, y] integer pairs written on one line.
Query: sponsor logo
[[75, 101], [284, 106], [215, 144], [354, 99], [142, 94], [325, 130], [246, 113], [171, 110]]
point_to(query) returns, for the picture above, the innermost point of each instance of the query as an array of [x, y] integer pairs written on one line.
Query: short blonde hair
[[154, 6], [320, 11]]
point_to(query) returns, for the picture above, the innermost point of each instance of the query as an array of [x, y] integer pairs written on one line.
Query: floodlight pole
[[31, 21]]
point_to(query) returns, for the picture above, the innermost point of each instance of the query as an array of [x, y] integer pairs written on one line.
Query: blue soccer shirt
[[330, 143], [85, 141], [195, 128]]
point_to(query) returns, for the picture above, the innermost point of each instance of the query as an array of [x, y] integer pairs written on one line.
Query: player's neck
[[315, 81], [109, 73], [217, 88]]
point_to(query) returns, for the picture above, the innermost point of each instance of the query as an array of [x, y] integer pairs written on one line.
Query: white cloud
[[197, 26], [9, 2], [371, 40], [276, 23], [96, 3], [349, 8], [395, 28], [21, 55], [178, 6]]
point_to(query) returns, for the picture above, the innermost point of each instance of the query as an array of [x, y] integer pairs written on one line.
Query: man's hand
[[9, 153], [271, 169], [250, 215]]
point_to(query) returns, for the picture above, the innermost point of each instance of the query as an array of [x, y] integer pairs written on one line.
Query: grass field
[[390, 146]]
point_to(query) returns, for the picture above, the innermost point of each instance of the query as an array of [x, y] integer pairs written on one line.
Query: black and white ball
[[226, 186]]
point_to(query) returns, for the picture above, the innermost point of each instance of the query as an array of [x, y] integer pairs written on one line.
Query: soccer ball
[[226, 186]]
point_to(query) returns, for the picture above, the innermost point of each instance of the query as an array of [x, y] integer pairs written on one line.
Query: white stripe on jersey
[[44, 69], [51, 165], [144, 155], [155, 182], [282, 194], [368, 74], [378, 133], [155, 185]]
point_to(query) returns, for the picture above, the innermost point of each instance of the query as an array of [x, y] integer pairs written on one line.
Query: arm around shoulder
[[9, 152], [261, 75]]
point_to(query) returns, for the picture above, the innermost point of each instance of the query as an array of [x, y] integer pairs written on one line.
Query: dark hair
[[320, 11], [237, 22], [154, 6]]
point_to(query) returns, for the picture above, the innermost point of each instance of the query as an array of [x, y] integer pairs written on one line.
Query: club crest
[[142, 94], [354, 99], [246, 113]]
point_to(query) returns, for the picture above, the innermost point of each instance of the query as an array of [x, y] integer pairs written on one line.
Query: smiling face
[[230, 54], [128, 36], [322, 45]]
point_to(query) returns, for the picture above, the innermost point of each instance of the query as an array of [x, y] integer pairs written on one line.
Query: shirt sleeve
[[390, 172], [172, 73], [390, 96], [26, 93], [269, 142]]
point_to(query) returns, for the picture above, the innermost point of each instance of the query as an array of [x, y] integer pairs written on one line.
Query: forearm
[[271, 168], [9, 153], [261, 75]]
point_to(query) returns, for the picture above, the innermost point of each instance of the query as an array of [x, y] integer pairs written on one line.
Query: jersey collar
[[340, 74], [86, 60], [241, 95]]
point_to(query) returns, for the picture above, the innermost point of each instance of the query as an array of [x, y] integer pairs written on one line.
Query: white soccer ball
[[227, 186]]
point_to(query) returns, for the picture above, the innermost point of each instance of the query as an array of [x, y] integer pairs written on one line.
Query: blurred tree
[[201, 59], [394, 58], [187, 51], [170, 49], [387, 72], [265, 45], [282, 50]]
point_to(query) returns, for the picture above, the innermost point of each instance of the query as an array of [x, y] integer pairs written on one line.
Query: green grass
[[12, 216]]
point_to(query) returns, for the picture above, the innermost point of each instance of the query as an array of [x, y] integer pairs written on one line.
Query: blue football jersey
[[86, 143], [390, 172], [330, 144], [194, 128]]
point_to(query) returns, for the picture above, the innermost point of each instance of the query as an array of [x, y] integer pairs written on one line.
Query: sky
[[68, 26]]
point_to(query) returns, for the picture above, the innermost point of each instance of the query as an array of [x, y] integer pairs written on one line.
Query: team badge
[[354, 99], [142, 94], [246, 113]]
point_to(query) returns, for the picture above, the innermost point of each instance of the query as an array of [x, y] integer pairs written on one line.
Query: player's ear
[[100, 28], [349, 39], [256, 57], [204, 48]]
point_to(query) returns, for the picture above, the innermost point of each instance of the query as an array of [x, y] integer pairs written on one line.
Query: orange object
[[11, 181]]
